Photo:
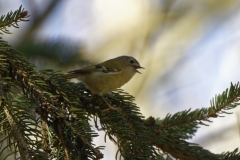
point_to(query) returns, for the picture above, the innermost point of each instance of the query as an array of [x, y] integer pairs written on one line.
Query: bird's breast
[[102, 83]]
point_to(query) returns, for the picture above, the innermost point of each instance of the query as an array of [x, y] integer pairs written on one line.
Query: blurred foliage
[[59, 55]]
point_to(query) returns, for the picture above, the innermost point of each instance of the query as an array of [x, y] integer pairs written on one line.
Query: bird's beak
[[138, 67]]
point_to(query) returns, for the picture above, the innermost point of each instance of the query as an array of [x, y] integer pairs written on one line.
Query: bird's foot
[[109, 106]]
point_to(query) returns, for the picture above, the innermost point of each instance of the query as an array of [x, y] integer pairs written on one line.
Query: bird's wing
[[104, 67]]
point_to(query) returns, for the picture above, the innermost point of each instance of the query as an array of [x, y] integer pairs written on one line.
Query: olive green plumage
[[107, 76]]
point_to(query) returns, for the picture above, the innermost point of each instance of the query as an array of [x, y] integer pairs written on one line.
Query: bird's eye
[[131, 61]]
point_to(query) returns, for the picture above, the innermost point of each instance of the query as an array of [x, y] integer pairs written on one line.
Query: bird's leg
[[109, 106]]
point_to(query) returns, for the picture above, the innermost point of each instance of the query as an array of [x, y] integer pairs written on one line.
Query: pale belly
[[102, 83]]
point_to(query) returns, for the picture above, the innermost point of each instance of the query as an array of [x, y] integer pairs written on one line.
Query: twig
[[63, 142]]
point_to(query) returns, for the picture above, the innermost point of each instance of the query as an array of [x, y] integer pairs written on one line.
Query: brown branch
[[44, 135], [63, 142], [173, 152], [17, 134]]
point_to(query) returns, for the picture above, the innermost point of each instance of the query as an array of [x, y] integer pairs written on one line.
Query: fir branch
[[12, 19], [20, 139], [24, 136], [174, 127], [45, 136], [56, 83], [96, 152], [63, 143], [230, 155], [37, 86], [124, 127], [184, 150], [222, 102], [49, 105]]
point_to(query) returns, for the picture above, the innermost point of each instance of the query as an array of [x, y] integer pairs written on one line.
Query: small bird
[[107, 76]]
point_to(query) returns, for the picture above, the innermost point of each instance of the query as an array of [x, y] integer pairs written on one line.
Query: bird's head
[[129, 61]]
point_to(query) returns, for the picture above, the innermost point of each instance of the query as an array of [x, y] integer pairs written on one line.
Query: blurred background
[[190, 50]]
